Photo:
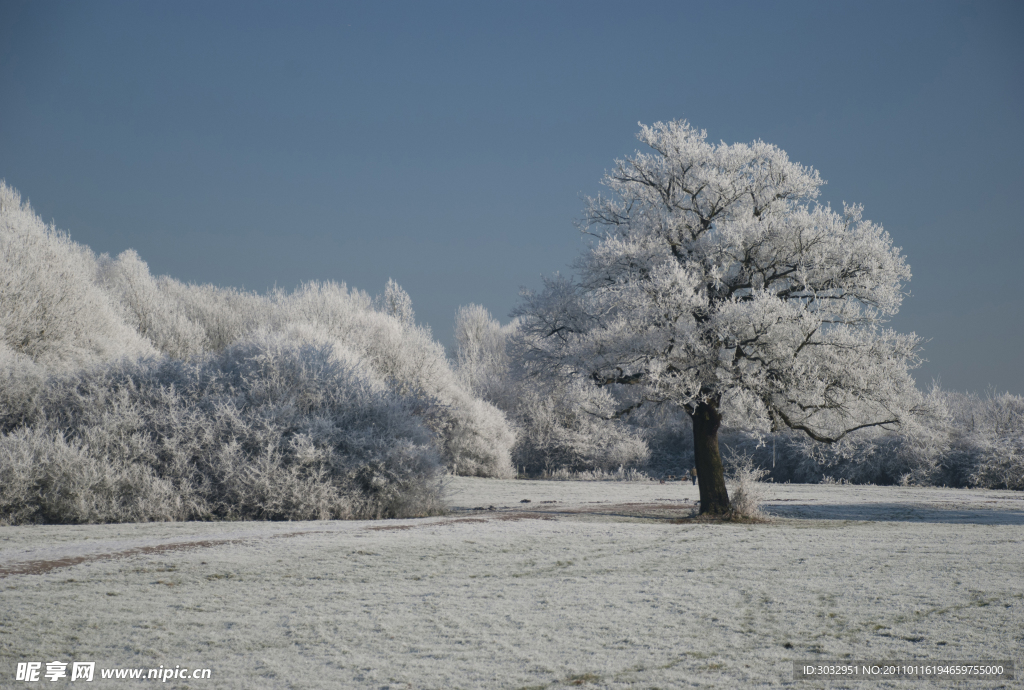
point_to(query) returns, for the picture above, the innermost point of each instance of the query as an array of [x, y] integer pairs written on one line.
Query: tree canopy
[[716, 277]]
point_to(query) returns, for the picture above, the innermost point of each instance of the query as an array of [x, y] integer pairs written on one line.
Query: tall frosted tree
[[717, 281]]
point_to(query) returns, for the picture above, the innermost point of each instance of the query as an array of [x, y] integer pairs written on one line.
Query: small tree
[[397, 303], [716, 279]]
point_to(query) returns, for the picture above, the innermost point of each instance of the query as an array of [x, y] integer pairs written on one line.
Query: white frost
[[479, 599]]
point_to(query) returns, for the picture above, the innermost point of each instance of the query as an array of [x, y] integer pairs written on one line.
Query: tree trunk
[[714, 499]]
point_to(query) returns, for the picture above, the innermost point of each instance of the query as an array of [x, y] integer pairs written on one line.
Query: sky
[[449, 145]]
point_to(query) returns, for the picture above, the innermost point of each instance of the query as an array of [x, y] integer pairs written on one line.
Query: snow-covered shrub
[[396, 302], [477, 438], [222, 315], [866, 457], [474, 436], [563, 424], [22, 382], [277, 426], [620, 475], [188, 320], [153, 307], [955, 439], [51, 307], [747, 489], [570, 427], [44, 478], [291, 405], [986, 440]]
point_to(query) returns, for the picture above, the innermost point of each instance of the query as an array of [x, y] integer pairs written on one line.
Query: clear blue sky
[[446, 145]]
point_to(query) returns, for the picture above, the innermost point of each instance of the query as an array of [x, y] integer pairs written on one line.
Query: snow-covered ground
[[590, 583]]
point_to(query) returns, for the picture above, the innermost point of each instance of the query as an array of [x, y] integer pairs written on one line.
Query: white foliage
[[291, 405], [475, 437], [568, 425], [277, 426], [480, 352], [189, 320], [714, 274], [748, 492], [221, 315], [44, 478], [51, 308], [397, 303], [563, 425], [151, 308], [985, 440], [953, 439]]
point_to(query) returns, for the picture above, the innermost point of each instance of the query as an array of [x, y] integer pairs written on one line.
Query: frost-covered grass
[[586, 584]]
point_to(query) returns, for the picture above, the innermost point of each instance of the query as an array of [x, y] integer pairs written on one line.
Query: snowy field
[[588, 584]]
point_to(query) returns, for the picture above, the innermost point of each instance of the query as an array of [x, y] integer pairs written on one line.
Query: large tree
[[715, 278]]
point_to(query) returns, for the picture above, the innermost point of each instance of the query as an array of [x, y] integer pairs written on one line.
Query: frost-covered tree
[[716, 280], [126, 397], [51, 308], [397, 303], [481, 354], [563, 424], [150, 307]]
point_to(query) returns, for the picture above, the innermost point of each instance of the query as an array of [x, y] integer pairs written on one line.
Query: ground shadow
[[896, 512]]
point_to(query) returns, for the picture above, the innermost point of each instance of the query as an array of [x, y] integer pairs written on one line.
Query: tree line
[[720, 316]]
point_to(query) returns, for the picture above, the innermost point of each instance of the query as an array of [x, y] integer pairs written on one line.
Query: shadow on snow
[[896, 512]]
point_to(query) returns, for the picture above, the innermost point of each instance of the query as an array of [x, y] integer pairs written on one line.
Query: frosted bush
[[955, 439], [986, 439], [563, 425], [473, 436], [745, 480], [569, 427], [152, 307], [44, 478], [186, 320], [222, 315], [477, 437], [310, 404], [22, 382], [51, 307], [620, 475], [277, 426]]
